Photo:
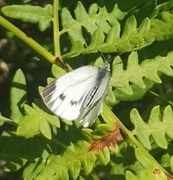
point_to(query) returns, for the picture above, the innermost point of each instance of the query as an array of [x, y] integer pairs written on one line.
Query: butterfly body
[[78, 94]]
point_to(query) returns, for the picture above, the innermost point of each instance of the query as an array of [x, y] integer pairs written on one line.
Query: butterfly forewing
[[77, 94], [64, 96], [73, 97]]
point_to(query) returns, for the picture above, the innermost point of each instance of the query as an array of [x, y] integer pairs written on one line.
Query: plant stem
[[161, 97], [28, 40], [56, 36]]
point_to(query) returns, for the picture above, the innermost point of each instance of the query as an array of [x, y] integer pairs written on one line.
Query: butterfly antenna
[[115, 56], [102, 54], [98, 48]]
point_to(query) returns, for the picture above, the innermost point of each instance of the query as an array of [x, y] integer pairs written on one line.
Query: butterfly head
[[105, 66]]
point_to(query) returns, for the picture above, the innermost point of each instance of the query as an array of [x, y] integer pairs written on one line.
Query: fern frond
[[32, 14], [105, 29], [65, 154], [73, 159], [17, 150], [77, 158], [148, 170], [159, 127], [37, 121], [96, 17], [132, 83], [135, 164], [18, 96]]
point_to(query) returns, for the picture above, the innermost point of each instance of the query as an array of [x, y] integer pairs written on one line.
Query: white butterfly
[[78, 94]]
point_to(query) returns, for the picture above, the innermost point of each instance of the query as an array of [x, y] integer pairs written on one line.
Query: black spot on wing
[[73, 103], [62, 97], [51, 103]]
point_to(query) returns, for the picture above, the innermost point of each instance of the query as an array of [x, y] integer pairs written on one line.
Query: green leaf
[[32, 14], [150, 169], [142, 130], [57, 71], [75, 157], [165, 160], [33, 169], [159, 126], [96, 18], [22, 150], [99, 19], [72, 160], [75, 34], [129, 28], [6, 120], [104, 156], [165, 6], [18, 96], [131, 176], [164, 26], [133, 82], [3, 120], [171, 162], [162, 125], [37, 121]]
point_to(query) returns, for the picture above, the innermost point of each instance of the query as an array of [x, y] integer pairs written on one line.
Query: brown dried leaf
[[110, 139]]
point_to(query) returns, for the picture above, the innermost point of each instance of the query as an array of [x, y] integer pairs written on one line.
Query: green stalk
[[56, 36], [28, 40]]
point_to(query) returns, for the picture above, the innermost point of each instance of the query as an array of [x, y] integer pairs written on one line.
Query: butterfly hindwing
[[94, 100]]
